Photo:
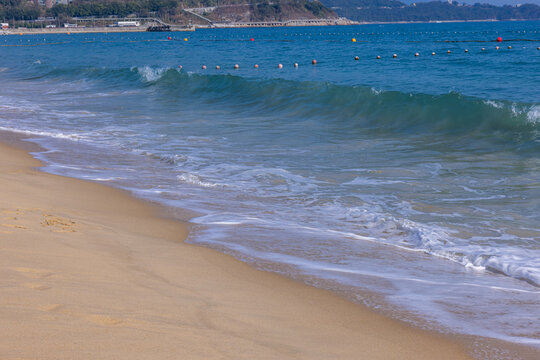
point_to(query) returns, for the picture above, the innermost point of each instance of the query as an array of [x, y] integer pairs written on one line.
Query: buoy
[[252, 39], [499, 39], [203, 67], [496, 48], [256, 66], [538, 48], [280, 66], [185, 39], [217, 67], [21, 33], [433, 53], [394, 56], [179, 66], [483, 49], [67, 33], [448, 51], [236, 66], [353, 40], [466, 50], [314, 62], [509, 47], [378, 56], [417, 54], [295, 65], [169, 38], [356, 58]]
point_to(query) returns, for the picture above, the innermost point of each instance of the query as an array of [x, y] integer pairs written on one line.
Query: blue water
[[409, 184]]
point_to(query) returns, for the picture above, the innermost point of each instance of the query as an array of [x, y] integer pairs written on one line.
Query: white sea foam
[[533, 115], [57, 135], [196, 180], [495, 104], [150, 74]]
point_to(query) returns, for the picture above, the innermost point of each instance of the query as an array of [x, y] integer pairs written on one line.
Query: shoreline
[[91, 270], [90, 30]]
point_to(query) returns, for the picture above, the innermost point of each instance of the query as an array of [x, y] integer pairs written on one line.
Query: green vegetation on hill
[[393, 11], [168, 10]]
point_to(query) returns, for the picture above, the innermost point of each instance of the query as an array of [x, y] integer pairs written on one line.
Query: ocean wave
[[347, 108]]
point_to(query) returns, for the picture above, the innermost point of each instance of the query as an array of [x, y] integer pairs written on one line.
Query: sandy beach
[[89, 272]]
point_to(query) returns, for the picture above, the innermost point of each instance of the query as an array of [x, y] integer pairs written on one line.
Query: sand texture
[[88, 272]]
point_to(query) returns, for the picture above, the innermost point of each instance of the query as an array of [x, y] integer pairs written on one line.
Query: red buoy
[[314, 62], [256, 66], [169, 38], [203, 67], [252, 39], [236, 66], [499, 39]]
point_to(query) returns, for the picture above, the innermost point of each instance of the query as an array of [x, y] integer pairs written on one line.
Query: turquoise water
[[409, 184]]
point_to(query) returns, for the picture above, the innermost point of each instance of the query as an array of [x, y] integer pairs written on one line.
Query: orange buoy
[[448, 52], [466, 50], [256, 66], [185, 39], [433, 53], [496, 48], [499, 39], [314, 62], [280, 66], [217, 67], [378, 56], [295, 65], [417, 54], [509, 47], [353, 40], [236, 66], [394, 56], [356, 58]]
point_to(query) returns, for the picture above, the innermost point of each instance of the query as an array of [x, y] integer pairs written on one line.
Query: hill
[[171, 11], [395, 11]]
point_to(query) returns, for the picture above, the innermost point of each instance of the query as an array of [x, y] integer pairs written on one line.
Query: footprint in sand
[[104, 320], [58, 224], [14, 226], [51, 307]]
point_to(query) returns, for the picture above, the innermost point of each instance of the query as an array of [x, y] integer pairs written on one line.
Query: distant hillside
[[393, 11], [169, 10]]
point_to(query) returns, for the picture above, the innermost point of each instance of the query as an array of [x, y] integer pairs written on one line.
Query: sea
[[409, 183]]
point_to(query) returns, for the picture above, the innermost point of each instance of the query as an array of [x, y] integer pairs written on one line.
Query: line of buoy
[[356, 58]]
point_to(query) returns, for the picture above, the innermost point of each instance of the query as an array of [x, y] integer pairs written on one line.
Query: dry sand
[[88, 272]]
